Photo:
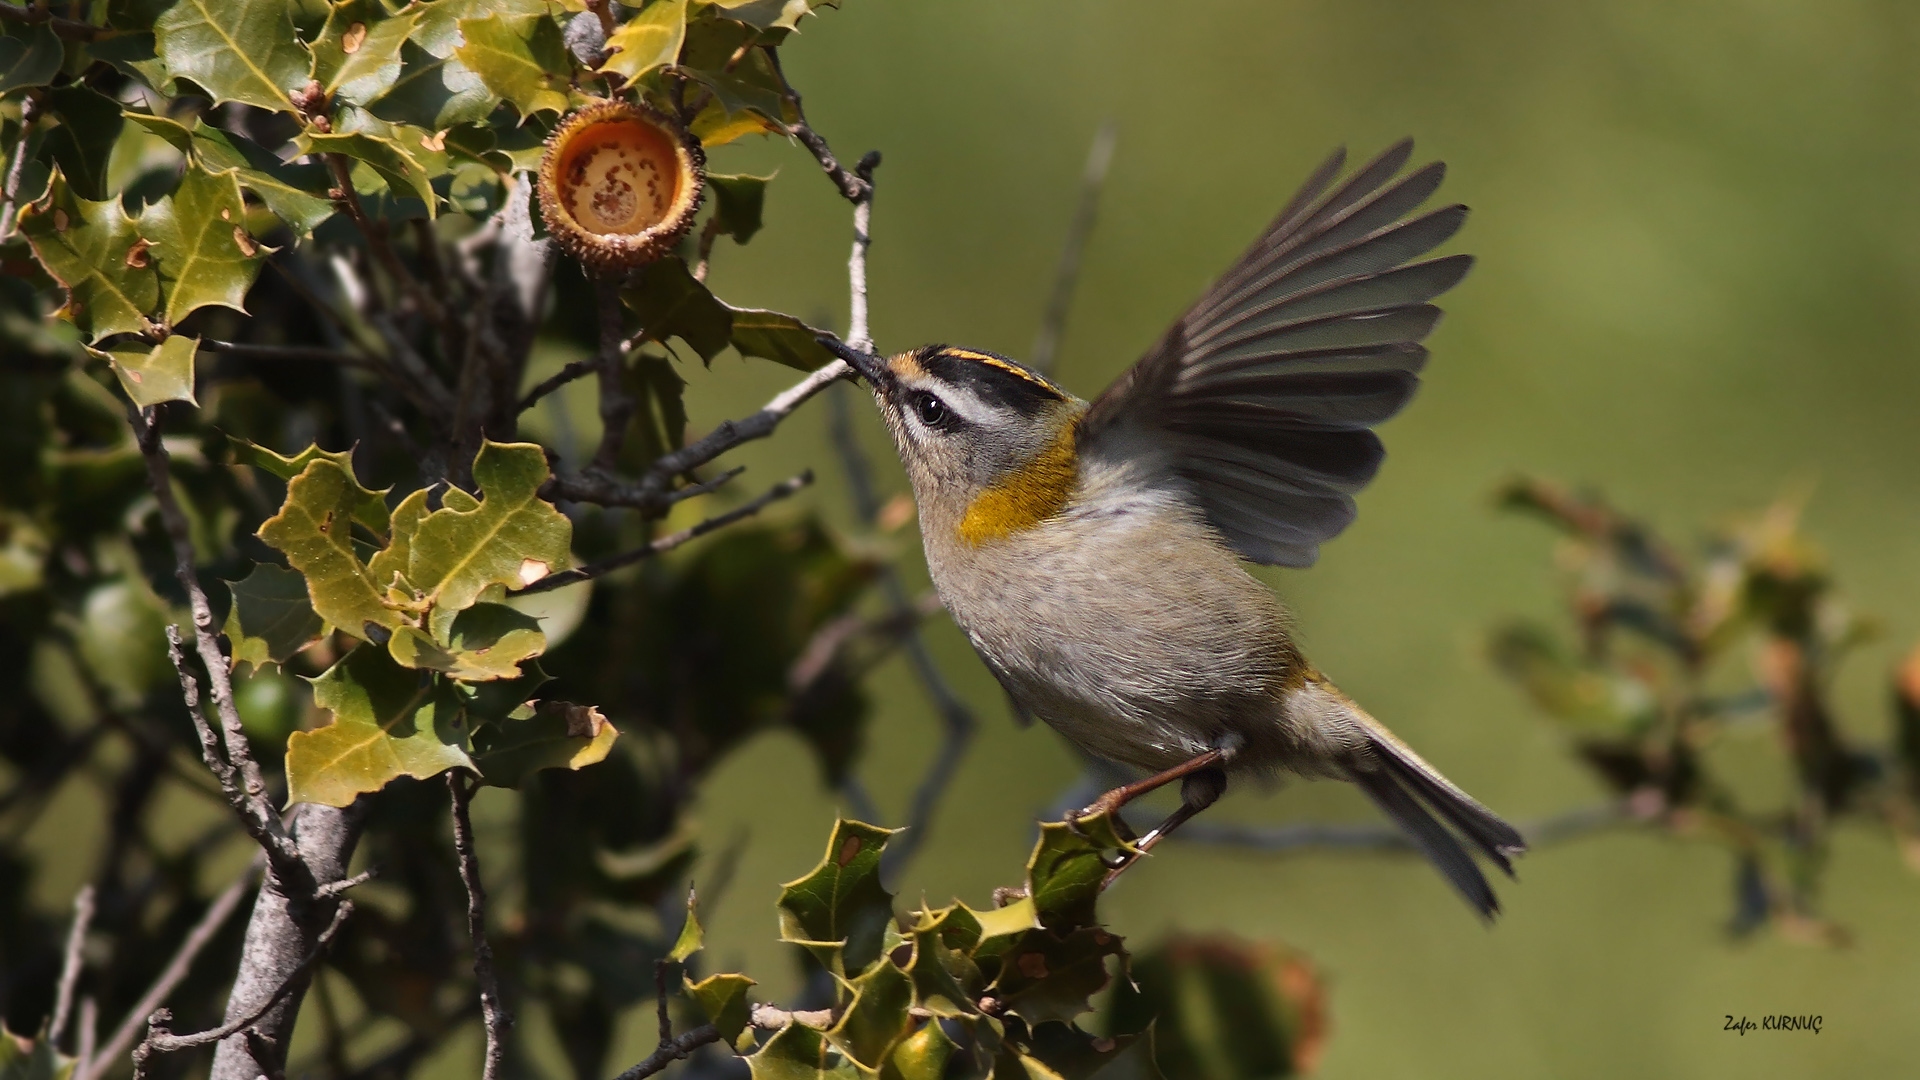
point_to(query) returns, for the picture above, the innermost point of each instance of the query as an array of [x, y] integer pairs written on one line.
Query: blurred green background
[[1697, 236]]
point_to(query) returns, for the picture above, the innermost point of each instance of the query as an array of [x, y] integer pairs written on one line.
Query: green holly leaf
[[1066, 869], [27, 1059], [313, 531], [29, 56], [438, 30], [922, 1055], [521, 58], [798, 1052], [714, 126], [876, 1019], [771, 14], [510, 537], [388, 722], [89, 126], [201, 245], [741, 82], [94, 250], [724, 999], [271, 617], [559, 735], [397, 163], [483, 642], [370, 510], [1065, 1052], [434, 92], [357, 56], [840, 909], [946, 980], [649, 40], [670, 303], [691, 936], [1002, 928], [151, 376], [738, 203], [782, 339], [297, 194], [237, 50], [1050, 976], [133, 55]]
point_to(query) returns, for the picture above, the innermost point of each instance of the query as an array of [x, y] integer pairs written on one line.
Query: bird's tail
[[1412, 793]]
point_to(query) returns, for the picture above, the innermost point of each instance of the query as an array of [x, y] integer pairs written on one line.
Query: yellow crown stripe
[[1003, 365]]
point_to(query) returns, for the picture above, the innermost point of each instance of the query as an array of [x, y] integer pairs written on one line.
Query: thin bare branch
[[335, 888], [672, 540], [859, 333], [172, 975], [708, 234], [616, 404], [159, 1040], [70, 964], [492, 1008], [89, 1030], [853, 187], [243, 782], [67, 29], [555, 381], [30, 108], [673, 1050], [1046, 344]]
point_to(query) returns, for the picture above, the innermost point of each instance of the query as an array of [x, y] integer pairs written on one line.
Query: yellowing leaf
[[463, 548], [237, 50], [724, 999], [313, 530], [370, 511], [271, 617], [151, 376], [200, 244], [484, 642], [522, 58], [691, 936], [559, 735], [649, 40], [93, 249], [388, 722]]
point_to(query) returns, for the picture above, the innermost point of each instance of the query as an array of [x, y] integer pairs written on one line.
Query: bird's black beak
[[871, 368]]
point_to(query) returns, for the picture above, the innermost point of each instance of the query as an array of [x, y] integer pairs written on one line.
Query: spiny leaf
[[1065, 1052], [89, 126], [1002, 928], [237, 50], [510, 537], [297, 194], [388, 722], [724, 999], [28, 1059], [1050, 977], [715, 126], [438, 30], [398, 164], [357, 56], [782, 339], [484, 642], [798, 1052], [691, 937], [29, 56], [312, 530], [200, 244], [738, 203], [922, 1055], [559, 735], [649, 40], [1066, 869], [946, 981], [93, 249], [370, 510], [671, 304], [521, 58], [271, 617], [841, 901], [771, 14], [877, 1017], [151, 376], [434, 92]]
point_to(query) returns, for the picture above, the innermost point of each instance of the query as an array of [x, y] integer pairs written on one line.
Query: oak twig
[[70, 964], [30, 108], [558, 379], [672, 540], [492, 1008], [1046, 343]]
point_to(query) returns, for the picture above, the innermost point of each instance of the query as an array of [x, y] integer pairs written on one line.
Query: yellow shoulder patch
[[1033, 494]]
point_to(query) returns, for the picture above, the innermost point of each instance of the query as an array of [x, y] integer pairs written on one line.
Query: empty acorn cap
[[619, 184]]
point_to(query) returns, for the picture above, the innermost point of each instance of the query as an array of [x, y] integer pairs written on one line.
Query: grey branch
[[30, 109], [616, 404], [492, 1008], [71, 964], [161, 1041], [240, 774], [1046, 344], [555, 381], [672, 540], [859, 332], [176, 971], [764, 1017]]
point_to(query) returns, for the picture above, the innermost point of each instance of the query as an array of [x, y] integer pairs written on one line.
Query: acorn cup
[[619, 185]]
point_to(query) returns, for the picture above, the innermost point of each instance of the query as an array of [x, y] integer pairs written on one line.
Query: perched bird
[[1093, 552]]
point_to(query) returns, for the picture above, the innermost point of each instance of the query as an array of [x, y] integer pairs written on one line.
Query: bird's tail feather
[[1412, 793]]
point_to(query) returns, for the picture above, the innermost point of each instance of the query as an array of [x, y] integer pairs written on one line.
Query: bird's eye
[[933, 412]]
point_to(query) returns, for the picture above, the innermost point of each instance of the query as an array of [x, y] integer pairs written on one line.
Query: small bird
[[1093, 552]]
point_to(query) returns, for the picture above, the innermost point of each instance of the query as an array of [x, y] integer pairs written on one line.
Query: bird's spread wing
[[1266, 389]]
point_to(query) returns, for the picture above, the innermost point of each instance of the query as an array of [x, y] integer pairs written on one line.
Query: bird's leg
[[1198, 791], [1112, 801]]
